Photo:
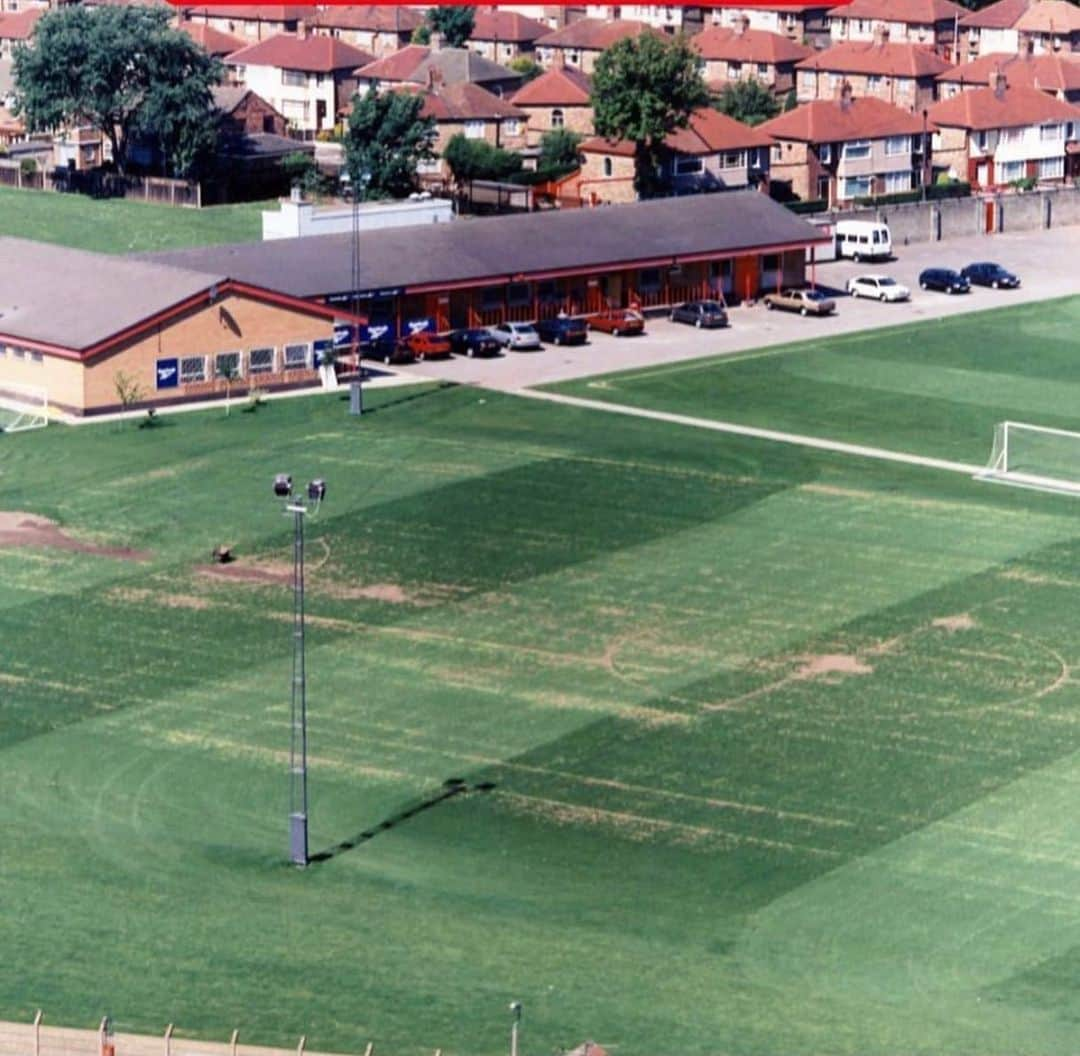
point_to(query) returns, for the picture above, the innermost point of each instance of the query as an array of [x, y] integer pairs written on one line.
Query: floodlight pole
[[298, 799]]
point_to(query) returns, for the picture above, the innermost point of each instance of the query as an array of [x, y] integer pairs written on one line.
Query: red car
[[618, 321], [426, 345]]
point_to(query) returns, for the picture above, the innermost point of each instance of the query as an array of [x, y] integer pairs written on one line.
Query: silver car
[[515, 335], [879, 287]]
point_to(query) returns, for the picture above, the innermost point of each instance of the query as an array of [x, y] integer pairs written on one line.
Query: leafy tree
[[643, 88], [421, 35], [475, 159], [748, 101], [124, 70], [559, 150], [386, 138], [791, 100], [528, 69], [455, 22]]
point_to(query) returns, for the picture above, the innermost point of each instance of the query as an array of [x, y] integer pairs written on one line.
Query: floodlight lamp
[[282, 485], [515, 1007], [316, 490]]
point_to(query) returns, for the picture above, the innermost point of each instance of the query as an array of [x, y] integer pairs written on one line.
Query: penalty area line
[[797, 439]]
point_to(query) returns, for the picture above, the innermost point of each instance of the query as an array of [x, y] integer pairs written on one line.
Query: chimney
[[301, 30], [742, 24], [846, 96], [998, 83], [881, 35]]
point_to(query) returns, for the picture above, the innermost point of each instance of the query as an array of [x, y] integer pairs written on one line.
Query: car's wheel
[[470, 351], [615, 332], [857, 258], [770, 305], [671, 316], [923, 286], [949, 290], [557, 340], [884, 298], [802, 311], [995, 284], [697, 323]]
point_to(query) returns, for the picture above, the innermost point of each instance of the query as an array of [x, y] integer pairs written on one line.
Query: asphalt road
[[1048, 262]]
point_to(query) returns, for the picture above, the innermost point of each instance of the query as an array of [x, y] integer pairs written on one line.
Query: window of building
[[825, 153], [296, 357], [491, 297], [430, 166], [36, 357], [227, 364], [1050, 133], [474, 129], [688, 166], [734, 159], [734, 69], [557, 118], [982, 141], [873, 83], [807, 79], [777, 152], [18, 353], [608, 166], [1011, 135], [855, 187], [518, 294], [649, 280], [192, 369], [1011, 170], [855, 149], [904, 84], [294, 78], [835, 80], [895, 182], [261, 361], [512, 126], [1051, 168], [573, 58], [763, 69], [897, 145]]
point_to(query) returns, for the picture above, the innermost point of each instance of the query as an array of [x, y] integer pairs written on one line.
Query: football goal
[[22, 407], [1034, 456]]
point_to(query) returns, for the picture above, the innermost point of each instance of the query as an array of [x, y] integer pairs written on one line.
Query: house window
[[297, 357], [227, 364], [777, 152], [1011, 135], [734, 70], [904, 84], [1051, 168], [734, 159], [19, 353], [573, 58], [763, 69], [608, 167], [873, 83], [835, 80], [430, 166], [856, 148], [688, 166], [192, 369], [855, 187], [512, 126], [261, 361], [1011, 170], [825, 153], [1049, 133], [806, 80], [557, 119], [649, 280], [294, 78], [895, 182], [982, 141], [897, 145], [474, 129]]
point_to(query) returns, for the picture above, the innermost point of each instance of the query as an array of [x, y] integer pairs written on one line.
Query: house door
[[320, 114], [989, 218], [746, 277], [982, 174]]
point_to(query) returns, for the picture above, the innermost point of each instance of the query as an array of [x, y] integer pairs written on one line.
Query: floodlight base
[[298, 842]]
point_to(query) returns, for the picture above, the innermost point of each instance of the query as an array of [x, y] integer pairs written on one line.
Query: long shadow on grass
[[409, 398], [452, 787]]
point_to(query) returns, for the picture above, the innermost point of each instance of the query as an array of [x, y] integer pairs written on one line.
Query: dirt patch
[[831, 664], [28, 529], [962, 621], [269, 572], [160, 598]]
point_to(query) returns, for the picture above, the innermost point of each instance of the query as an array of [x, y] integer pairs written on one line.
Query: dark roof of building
[[419, 64], [508, 27], [499, 248], [708, 132], [559, 86], [313, 54], [464, 101], [252, 145], [75, 299]]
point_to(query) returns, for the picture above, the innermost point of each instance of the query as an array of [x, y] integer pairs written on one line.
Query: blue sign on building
[[320, 347], [168, 373]]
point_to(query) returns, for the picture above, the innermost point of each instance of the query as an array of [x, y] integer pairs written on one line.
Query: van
[[863, 240]]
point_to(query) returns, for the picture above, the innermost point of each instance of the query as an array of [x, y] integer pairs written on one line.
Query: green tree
[[748, 101], [126, 71], [385, 139], [421, 35], [455, 22], [559, 150], [475, 159], [643, 88], [526, 68]]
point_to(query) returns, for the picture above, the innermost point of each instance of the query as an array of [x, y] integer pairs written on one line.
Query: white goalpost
[[1034, 456], [22, 407]]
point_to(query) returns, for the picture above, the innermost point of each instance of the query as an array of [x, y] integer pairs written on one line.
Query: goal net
[[1034, 456], [22, 407]]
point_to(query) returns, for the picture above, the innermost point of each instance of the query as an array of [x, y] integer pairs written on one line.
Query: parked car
[[700, 313], [863, 240], [426, 345], [515, 335], [986, 273], [618, 321], [879, 287], [805, 302], [943, 279], [474, 341], [563, 330], [389, 350]]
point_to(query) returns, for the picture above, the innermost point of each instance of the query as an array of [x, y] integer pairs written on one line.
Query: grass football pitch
[[764, 749]]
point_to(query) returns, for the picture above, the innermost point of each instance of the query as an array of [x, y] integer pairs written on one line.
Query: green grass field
[[116, 225], [783, 743]]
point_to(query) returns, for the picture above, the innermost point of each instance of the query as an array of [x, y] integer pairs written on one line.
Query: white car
[[515, 335], [880, 287]]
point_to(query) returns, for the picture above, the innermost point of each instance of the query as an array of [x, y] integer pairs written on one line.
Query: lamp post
[[298, 506], [925, 155], [515, 1010]]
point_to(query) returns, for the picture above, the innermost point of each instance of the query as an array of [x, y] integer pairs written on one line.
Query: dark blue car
[[563, 330], [986, 273]]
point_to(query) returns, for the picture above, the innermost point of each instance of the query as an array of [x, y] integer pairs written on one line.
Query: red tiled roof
[[709, 131], [19, 25], [255, 12], [913, 12], [777, 5], [1015, 107], [593, 34], [1002, 15], [861, 56], [559, 86], [313, 54], [833, 121], [376, 18], [748, 45], [464, 101], [1050, 16], [1048, 72], [507, 26], [212, 40], [397, 67]]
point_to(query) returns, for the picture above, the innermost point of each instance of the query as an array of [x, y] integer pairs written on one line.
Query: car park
[[563, 330], [986, 273], [803, 301], [426, 345], [700, 314], [878, 287], [618, 321], [515, 336], [944, 279], [474, 341]]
